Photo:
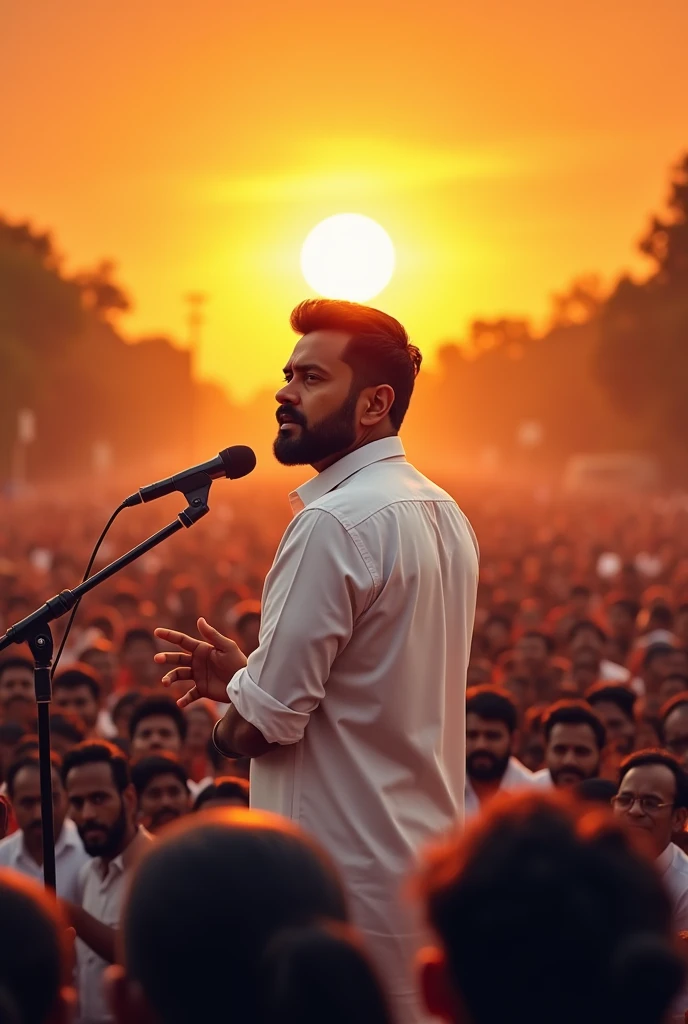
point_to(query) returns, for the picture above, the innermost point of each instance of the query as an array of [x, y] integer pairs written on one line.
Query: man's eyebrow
[[303, 368]]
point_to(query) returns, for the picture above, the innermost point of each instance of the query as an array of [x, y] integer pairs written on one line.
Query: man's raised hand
[[205, 665]]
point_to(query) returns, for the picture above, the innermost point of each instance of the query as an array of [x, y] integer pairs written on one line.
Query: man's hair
[[149, 768], [678, 701], [158, 706], [228, 787], [76, 676], [293, 959], [545, 911], [68, 726], [28, 761], [98, 752], [584, 626], [574, 712], [655, 651], [33, 950], [130, 699], [132, 636], [610, 693], [15, 663], [659, 757], [379, 350], [492, 703]]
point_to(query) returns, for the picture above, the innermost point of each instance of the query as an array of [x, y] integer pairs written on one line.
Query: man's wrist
[[217, 743]]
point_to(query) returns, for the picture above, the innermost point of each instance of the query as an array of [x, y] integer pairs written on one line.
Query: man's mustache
[[287, 413]]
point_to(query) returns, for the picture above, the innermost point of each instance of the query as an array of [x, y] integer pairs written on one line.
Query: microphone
[[234, 462]]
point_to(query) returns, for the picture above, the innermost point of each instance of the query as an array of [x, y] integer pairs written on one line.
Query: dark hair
[[286, 963], [228, 787], [659, 757], [11, 732], [98, 752], [78, 675], [655, 651], [28, 761], [132, 636], [632, 608], [15, 663], [68, 726], [158, 706], [148, 768], [33, 955], [497, 897], [596, 791], [131, 698], [537, 634], [610, 693], [574, 712], [379, 351], [587, 624], [29, 745], [493, 704]]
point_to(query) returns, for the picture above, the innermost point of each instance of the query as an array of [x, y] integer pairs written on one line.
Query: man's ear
[[439, 996], [126, 998], [379, 401]]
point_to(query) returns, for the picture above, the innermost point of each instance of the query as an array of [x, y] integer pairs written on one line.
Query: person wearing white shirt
[[574, 740], [353, 705], [652, 799], [491, 741], [23, 850], [102, 802]]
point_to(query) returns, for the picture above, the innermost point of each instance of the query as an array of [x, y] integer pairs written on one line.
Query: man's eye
[[312, 376]]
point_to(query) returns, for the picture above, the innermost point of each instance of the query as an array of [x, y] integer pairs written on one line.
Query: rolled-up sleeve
[[317, 587]]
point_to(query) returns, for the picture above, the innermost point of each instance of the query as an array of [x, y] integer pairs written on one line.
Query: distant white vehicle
[[611, 473]]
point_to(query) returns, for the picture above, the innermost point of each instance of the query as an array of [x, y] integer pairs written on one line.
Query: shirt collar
[[665, 860], [124, 860], [338, 472]]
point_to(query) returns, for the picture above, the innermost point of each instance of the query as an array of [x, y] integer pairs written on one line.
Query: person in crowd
[[615, 705], [227, 791], [102, 803], [246, 626], [108, 623], [652, 800], [77, 690], [11, 734], [681, 625], [574, 740], [656, 666], [622, 615], [35, 956], [675, 683], [533, 655], [23, 850], [101, 657], [497, 632], [157, 724], [373, 588], [297, 960], [138, 670], [66, 732], [673, 727], [5, 816], [544, 913], [122, 711], [16, 680], [200, 719], [491, 745], [585, 669], [588, 634], [162, 790]]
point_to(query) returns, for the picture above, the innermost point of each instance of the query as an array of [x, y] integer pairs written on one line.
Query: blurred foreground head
[[236, 916], [544, 913], [34, 967]]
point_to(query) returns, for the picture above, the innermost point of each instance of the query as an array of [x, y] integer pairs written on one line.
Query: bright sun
[[348, 256]]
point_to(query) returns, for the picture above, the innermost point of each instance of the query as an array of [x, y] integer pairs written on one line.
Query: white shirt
[[70, 858], [542, 779], [360, 676], [516, 777], [673, 867], [613, 673], [102, 898]]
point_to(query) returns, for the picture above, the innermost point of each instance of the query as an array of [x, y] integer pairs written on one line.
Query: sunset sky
[[506, 147]]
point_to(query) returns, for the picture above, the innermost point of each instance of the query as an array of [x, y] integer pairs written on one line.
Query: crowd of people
[[577, 685]]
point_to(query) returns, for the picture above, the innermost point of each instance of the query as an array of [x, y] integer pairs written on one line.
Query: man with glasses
[[652, 799], [674, 727]]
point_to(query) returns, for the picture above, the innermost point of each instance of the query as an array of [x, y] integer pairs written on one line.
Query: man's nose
[[287, 395]]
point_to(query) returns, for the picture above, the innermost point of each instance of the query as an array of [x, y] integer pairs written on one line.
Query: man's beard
[[335, 434], [163, 817], [491, 770], [109, 841], [578, 775]]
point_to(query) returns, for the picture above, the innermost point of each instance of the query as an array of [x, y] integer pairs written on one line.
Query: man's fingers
[[177, 675], [172, 636], [188, 698], [213, 636], [172, 658]]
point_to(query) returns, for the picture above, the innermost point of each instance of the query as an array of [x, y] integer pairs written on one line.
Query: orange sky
[[505, 147]]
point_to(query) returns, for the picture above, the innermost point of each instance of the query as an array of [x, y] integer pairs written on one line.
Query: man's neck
[[484, 789], [34, 846], [374, 435], [129, 837]]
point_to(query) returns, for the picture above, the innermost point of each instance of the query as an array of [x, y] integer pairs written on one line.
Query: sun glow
[[348, 256]]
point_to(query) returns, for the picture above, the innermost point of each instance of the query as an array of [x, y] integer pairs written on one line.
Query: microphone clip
[[197, 497]]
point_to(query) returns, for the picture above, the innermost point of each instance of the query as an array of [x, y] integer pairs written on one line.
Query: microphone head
[[239, 460]]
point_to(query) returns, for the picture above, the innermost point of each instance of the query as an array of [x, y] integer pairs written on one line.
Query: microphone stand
[[35, 630]]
